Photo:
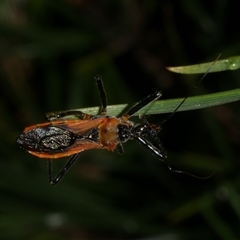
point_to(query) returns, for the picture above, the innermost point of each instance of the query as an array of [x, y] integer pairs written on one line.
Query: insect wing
[[61, 138], [80, 127]]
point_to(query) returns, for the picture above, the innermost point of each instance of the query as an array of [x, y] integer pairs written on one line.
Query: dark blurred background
[[50, 52]]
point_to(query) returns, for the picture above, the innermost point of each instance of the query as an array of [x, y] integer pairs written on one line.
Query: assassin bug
[[62, 137]]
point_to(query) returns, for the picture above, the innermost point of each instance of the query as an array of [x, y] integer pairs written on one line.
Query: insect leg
[[59, 115], [160, 153], [63, 171], [120, 148], [102, 92], [151, 98]]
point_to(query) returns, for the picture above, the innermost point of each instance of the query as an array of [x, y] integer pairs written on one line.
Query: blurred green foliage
[[50, 51]]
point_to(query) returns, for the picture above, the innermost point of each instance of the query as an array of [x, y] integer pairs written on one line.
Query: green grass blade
[[232, 63], [168, 106]]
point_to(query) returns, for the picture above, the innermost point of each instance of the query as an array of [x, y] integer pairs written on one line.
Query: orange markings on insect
[[78, 147]]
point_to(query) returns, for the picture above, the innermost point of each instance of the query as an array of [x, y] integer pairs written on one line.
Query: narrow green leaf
[[168, 106], [232, 63]]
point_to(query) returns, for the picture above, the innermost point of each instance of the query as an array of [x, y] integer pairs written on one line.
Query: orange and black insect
[[61, 137]]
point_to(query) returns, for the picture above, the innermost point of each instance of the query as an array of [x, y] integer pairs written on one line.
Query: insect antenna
[[190, 92], [164, 158]]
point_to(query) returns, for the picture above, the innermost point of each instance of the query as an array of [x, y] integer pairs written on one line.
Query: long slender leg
[[102, 92], [49, 167], [160, 153], [151, 98], [120, 148], [63, 171], [58, 115]]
